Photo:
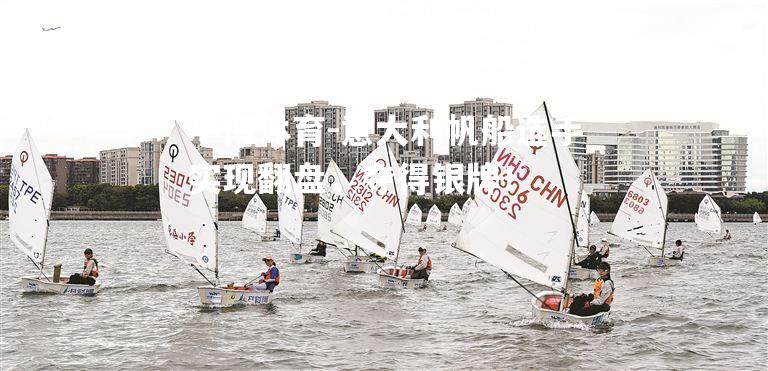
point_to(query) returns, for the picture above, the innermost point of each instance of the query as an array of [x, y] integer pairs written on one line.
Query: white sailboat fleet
[[642, 217], [582, 240], [435, 218], [255, 218], [190, 219], [593, 219], [414, 216], [290, 218], [708, 217], [372, 213], [331, 197], [30, 194], [455, 216], [528, 230]]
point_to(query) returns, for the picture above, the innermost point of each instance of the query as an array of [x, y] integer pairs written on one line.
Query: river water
[[710, 312]]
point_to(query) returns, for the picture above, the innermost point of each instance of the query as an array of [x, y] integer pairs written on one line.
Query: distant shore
[[309, 216]]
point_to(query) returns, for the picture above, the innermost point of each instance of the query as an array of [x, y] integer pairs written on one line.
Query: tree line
[[105, 197]]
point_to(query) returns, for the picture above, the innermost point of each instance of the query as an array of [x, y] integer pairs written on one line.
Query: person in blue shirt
[[269, 279]]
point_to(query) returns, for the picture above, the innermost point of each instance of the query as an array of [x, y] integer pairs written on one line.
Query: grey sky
[[119, 72]]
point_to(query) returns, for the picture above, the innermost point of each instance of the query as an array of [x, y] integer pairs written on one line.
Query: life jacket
[[95, 270], [599, 285], [268, 276], [429, 262]]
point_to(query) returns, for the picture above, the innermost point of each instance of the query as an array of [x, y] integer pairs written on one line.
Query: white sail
[[414, 215], [522, 223], [30, 194], [331, 196], [455, 216], [290, 209], [708, 216], [582, 226], [371, 215], [188, 207], [468, 205], [642, 215], [435, 216], [593, 219], [255, 216], [756, 218]]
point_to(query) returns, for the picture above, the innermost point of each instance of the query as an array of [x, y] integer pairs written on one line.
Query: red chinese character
[[191, 238]]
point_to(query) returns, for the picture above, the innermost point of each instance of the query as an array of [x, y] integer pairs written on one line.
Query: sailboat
[[290, 218], [593, 219], [414, 216], [582, 240], [708, 216], [30, 194], [455, 216], [527, 227], [189, 209], [372, 214], [255, 218], [756, 218], [435, 217], [331, 197], [642, 217]]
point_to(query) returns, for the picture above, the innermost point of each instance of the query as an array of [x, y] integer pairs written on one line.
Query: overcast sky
[[119, 72]]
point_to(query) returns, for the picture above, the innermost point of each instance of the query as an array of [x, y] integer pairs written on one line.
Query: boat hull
[[305, 258], [223, 297], [578, 273], [29, 284], [660, 261], [393, 277], [267, 238], [549, 317], [359, 264]]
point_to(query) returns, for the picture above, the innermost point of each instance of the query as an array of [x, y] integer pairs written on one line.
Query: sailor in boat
[[445, 227], [90, 271], [423, 267], [277, 233], [269, 279], [424, 228], [592, 260], [679, 251], [601, 298], [727, 235], [605, 248], [319, 250]]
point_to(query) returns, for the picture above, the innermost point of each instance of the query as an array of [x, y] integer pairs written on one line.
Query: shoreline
[[309, 216]]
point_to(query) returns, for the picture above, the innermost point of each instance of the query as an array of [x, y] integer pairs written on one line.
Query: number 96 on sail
[[177, 186]]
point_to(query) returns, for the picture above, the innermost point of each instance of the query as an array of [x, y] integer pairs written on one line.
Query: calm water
[[708, 313]]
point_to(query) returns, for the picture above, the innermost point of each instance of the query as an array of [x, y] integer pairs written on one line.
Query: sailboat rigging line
[[560, 170], [399, 211], [214, 217], [567, 201], [521, 285], [204, 276], [40, 267], [663, 214], [649, 251]]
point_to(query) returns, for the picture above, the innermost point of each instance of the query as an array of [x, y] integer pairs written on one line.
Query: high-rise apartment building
[[149, 158], [477, 109], [330, 134], [119, 166]]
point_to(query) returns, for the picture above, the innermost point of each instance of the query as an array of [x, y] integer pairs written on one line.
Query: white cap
[[604, 240]]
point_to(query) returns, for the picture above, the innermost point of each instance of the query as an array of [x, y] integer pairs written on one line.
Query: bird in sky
[[51, 28]]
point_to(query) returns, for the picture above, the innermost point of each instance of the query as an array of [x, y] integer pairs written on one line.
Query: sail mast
[[664, 214], [567, 202], [399, 209]]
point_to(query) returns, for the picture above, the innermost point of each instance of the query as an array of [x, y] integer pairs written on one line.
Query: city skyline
[[675, 62]]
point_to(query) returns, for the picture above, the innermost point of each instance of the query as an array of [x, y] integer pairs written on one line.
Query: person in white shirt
[[679, 251], [605, 248], [423, 267]]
